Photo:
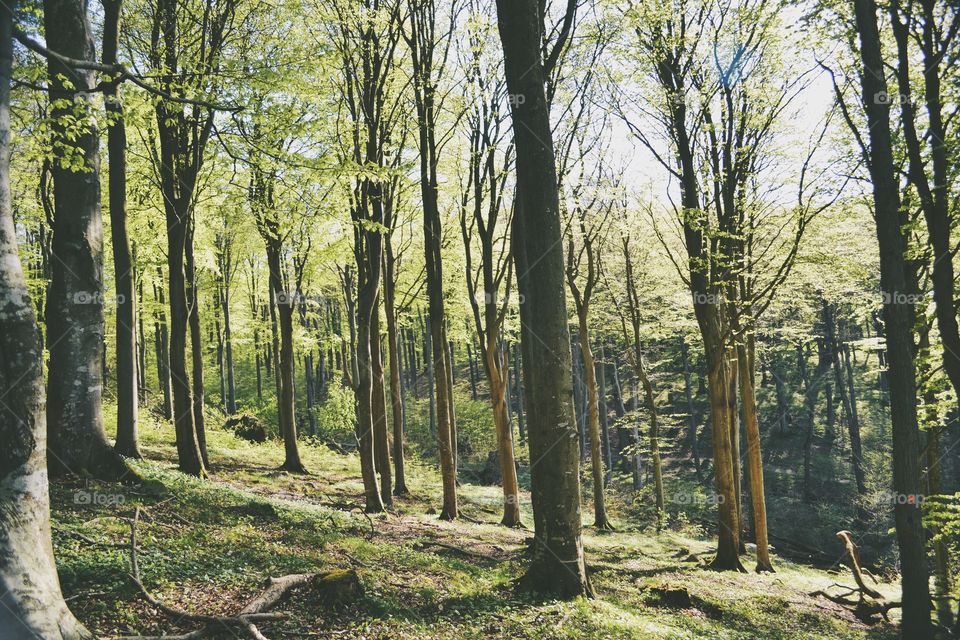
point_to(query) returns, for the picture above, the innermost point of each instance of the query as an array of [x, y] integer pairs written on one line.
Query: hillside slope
[[208, 546]]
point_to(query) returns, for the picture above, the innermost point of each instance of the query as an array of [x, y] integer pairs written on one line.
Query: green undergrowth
[[208, 546]]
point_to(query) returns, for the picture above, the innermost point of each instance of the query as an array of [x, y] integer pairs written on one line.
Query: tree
[[898, 325], [185, 60], [33, 605], [428, 67], [632, 316], [366, 38], [558, 561], [488, 283], [585, 234], [75, 323], [127, 443]]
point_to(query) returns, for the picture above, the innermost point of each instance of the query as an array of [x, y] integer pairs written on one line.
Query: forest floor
[[209, 546]]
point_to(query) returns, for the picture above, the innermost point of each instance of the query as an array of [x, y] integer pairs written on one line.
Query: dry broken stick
[[255, 611]]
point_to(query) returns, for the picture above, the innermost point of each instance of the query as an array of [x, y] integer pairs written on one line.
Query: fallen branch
[[257, 610], [869, 602]]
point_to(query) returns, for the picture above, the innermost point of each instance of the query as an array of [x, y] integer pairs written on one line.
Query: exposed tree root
[[869, 603], [257, 610]]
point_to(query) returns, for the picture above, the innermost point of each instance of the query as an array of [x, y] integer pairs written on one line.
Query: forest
[[479, 319]]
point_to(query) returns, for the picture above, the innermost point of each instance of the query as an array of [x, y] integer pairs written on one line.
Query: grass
[[207, 546]]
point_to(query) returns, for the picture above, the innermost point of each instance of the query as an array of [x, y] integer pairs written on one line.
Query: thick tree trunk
[[127, 443], [188, 448], [518, 385], [31, 604], [364, 393], [718, 382], [74, 314], [898, 321], [558, 563]]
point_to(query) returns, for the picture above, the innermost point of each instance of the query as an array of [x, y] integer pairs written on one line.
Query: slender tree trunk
[[228, 347], [498, 369], [843, 374], [162, 344], [732, 386], [282, 311], [603, 411], [75, 326], [381, 437], [691, 417], [396, 377], [600, 520], [141, 342], [754, 459], [898, 323], [127, 443], [196, 346], [651, 405], [558, 564], [32, 603]]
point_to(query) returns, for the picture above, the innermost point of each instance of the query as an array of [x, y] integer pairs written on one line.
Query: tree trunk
[[381, 437], [600, 520], [162, 346], [898, 321], [498, 369], [396, 382], [651, 405], [282, 308], [127, 443], [748, 399], [843, 373], [33, 605], [141, 340], [74, 314], [732, 386], [603, 411], [228, 344], [518, 385], [196, 346], [558, 563], [691, 417], [718, 382]]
